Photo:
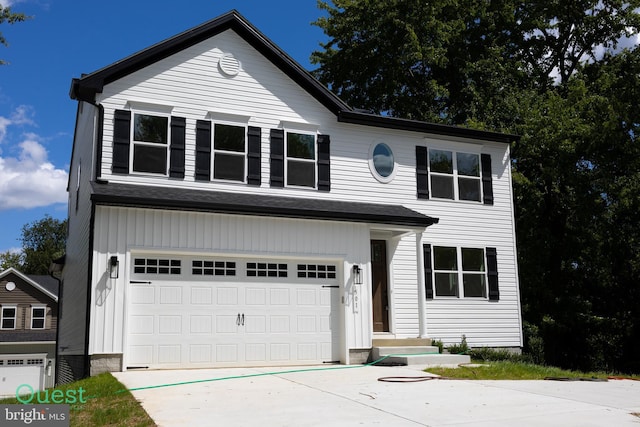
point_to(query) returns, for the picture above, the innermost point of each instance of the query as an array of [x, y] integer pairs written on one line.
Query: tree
[[10, 259], [42, 242], [10, 17]]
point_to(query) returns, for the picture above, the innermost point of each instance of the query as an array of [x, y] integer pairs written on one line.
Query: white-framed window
[[459, 272], [8, 317], [38, 317], [300, 159], [150, 143], [229, 152], [455, 175], [381, 162]]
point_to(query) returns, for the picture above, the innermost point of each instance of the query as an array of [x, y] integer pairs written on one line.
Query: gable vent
[[229, 65]]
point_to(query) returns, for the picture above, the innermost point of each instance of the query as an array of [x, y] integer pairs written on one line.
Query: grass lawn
[[108, 403], [505, 370]]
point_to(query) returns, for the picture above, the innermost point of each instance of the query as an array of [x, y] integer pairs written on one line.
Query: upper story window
[[150, 143], [229, 152], [301, 159], [38, 317], [454, 175], [381, 162], [8, 317], [459, 272]]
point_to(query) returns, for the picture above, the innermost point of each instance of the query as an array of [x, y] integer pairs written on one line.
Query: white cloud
[[29, 179]]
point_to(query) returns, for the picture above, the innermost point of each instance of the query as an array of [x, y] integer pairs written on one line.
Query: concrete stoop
[[412, 355]]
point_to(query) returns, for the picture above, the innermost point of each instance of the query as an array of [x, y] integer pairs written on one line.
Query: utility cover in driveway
[[187, 312]]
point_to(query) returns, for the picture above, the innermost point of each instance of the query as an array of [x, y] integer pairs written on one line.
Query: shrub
[[439, 344], [461, 348]]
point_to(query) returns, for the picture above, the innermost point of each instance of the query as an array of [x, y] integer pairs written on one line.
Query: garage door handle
[[242, 319], [238, 320]]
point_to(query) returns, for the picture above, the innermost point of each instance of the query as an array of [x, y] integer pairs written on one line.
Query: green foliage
[[439, 344], [10, 259], [9, 17], [462, 348], [108, 403], [42, 242], [509, 370]]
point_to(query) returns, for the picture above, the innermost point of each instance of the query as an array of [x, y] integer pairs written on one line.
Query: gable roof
[[47, 289], [115, 194], [86, 87]]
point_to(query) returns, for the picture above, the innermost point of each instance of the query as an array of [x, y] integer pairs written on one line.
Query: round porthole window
[[381, 162]]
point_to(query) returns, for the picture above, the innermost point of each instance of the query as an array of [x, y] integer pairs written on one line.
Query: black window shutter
[[176, 165], [121, 141], [422, 173], [253, 156], [428, 282], [324, 163], [487, 185], [203, 150], [277, 158], [492, 274]]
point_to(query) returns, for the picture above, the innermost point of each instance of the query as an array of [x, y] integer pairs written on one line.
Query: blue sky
[[65, 39]]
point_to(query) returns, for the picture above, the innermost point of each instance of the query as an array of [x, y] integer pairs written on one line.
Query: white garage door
[[16, 370], [203, 312]]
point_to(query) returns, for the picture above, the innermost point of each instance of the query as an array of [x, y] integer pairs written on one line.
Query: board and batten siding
[[120, 231]]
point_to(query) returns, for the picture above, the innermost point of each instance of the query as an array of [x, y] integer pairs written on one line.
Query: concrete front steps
[[413, 352]]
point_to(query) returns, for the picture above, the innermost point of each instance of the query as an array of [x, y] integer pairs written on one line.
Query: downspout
[[53, 269]]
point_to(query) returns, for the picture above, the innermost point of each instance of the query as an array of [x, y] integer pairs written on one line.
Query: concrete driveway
[[353, 396]]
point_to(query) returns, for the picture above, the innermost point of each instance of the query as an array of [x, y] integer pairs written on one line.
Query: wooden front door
[[379, 287]]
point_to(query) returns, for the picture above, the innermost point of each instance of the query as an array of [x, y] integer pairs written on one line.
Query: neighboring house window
[[446, 174], [150, 143], [8, 318], [301, 159], [38, 317], [461, 272], [229, 152]]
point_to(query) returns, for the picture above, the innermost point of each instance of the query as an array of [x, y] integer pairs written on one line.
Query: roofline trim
[[388, 122], [29, 281], [281, 212]]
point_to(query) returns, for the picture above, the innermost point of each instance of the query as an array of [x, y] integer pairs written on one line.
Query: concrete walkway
[[353, 396]]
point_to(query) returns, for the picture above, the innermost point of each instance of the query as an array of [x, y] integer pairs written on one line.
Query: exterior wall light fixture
[[114, 267]]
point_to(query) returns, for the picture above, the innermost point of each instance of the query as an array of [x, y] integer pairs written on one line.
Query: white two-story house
[[226, 209]]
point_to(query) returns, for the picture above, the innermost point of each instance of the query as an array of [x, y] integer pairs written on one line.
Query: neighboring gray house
[[226, 209], [28, 324]]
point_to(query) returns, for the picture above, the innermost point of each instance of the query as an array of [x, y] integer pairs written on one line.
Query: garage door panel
[[201, 296], [227, 296], [169, 324], [201, 324], [170, 295], [193, 321]]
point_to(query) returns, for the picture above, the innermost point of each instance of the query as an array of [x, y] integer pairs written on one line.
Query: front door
[[379, 288]]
